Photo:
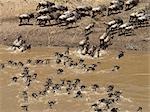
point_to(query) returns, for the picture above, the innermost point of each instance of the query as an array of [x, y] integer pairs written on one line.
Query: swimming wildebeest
[[95, 87], [116, 68], [14, 79], [51, 103], [25, 18], [24, 107], [110, 88], [120, 54], [34, 95], [114, 110], [60, 71], [78, 94], [82, 87], [2, 66], [139, 109], [98, 110]]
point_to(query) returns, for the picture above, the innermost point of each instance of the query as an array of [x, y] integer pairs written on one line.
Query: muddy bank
[[60, 36]]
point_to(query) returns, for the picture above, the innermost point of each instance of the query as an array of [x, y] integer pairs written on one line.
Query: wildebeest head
[[31, 15]]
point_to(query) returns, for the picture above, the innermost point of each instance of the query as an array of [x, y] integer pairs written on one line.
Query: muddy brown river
[[132, 79]]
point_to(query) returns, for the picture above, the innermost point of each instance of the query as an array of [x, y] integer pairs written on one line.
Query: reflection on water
[[132, 79]]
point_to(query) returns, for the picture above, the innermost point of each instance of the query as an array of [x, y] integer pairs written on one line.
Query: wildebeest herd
[[74, 88], [47, 11]]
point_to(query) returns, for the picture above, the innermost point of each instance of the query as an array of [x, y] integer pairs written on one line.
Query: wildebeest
[[139, 109], [95, 87], [113, 28], [14, 79], [115, 6], [60, 71], [42, 20], [34, 95], [51, 103], [94, 105], [25, 47], [46, 11], [25, 18], [98, 110], [61, 8], [129, 30], [107, 42], [71, 20], [76, 14], [18, 43], [135, 15], [110, 88], [83, 42], [89, 27], [122, 27], [130, 3], [24, 108], [143, 20], [91, 51], [114, 110], [78, 94], [2, 66], [64, 16], [118, 21], [42, 12], [104, 40], [44, 4], [84, 10], [98, 10], [101, 39], [115, 68], [91, 67], [120, 54]]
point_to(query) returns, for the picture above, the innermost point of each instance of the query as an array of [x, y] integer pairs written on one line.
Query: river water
[[132, 79]]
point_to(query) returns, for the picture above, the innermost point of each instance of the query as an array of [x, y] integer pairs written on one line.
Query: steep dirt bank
[[60, 36]]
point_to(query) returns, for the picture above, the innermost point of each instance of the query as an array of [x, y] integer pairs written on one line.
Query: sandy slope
[[54, 35]]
